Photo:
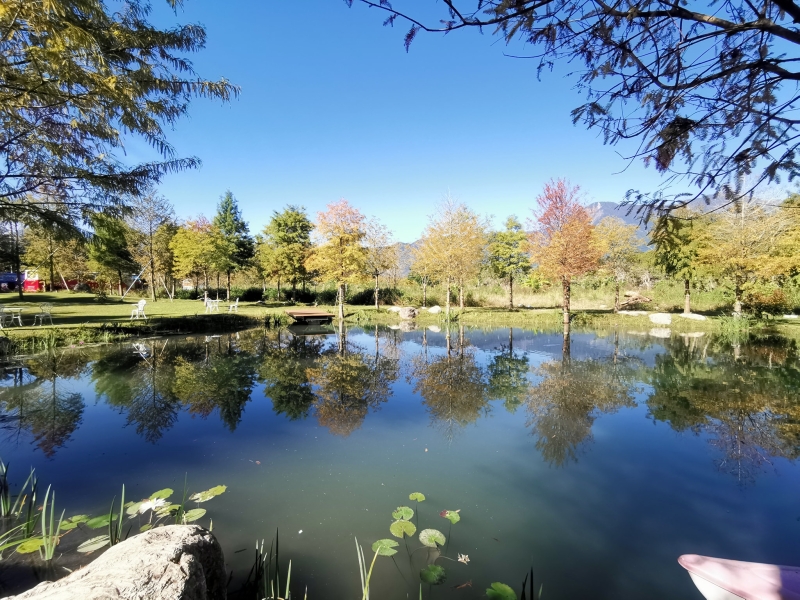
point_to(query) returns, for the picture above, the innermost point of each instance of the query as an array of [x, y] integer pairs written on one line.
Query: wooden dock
[[310, 315]]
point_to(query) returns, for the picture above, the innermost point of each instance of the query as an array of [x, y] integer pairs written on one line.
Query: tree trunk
[[119, 281], [687, 309], [376, 292], [279, 288], [565, 347], [566, 284], [510, 292], [153, 280], [341, 301], [424, 293], [294, 290], [53, 275], [461, 295], [737, 304], [447, 301], [217, 285], [616, 298], [228, 286]]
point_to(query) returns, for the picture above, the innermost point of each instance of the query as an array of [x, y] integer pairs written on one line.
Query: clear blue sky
[[332, 107]]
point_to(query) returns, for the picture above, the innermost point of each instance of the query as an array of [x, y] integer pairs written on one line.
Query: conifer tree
[[508, 257], [233, 246], [288, 240]]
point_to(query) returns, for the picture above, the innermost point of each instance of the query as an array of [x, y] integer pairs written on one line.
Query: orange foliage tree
[[562, 236]]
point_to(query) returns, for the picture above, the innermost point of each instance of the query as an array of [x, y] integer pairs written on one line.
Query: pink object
[[719, 578]]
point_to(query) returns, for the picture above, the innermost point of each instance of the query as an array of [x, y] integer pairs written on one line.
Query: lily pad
[[31, 545], [398, 528], [145, 527], [385, 547], [73, 522], [166, 510], [98, 522], [208, 494], [450, 515], [433, 575], [431, 538], [93, 544], [404, 513], [133, 508], [418, 496], [165, 493], [500, 591], [192, 515]]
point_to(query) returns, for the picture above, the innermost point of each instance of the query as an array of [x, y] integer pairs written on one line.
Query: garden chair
[[138, 310], [234, 308], [5, 317], [45, 310]]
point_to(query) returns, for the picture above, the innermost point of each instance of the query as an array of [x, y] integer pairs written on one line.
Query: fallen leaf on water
[[258, 462]]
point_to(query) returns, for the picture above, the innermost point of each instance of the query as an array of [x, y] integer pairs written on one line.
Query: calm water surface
[[598, 463]]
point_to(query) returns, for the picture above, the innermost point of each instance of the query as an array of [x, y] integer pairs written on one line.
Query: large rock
[[408, 312], [435, 309], [661, 318], [177, 562], [692, 316], [393, 309]]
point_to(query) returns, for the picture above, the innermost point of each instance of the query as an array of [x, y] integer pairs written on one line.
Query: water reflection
[[740, 396]]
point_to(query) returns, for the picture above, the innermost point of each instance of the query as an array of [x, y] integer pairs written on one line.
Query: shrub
[[326, 297], [385, 296], [761, 302], [250, 294], [186, 295]]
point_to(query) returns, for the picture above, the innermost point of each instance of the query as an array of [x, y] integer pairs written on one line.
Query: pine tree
[[232, 243], [508, 256], [288, 237]]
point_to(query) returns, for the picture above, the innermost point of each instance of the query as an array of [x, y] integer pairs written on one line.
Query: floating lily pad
[[133, 508], [431, 538], [500, 591], [145, 527], [404, 513], [398, 528], [192, 515], [93, 544], [385, 547], [418, 496], [433, 575], [208, 494], [450, 515], [73, 522], [166, 510], [31, 545], [98, 522], [165, 493]]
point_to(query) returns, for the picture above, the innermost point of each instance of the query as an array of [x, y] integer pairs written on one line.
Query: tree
[[193, 250], [340, 255], [381, 252], [678, 239], [288, 240], [508, 256], [233, 246], [562, 237], [619, 245], [109, 248], [708, 91], [77, 79], [149, 214]]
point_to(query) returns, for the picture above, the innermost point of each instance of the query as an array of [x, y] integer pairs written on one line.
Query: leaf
[[98, 522], [31, 545], [192, 515], [166, 510], [500, 591], [385, 547], [164, 494], [133, 508], [433, 575], [450, 515], [398, 528], [145, 527], [418, 496], [404, 513], [93, 544], [431, 538], [208, 494], [73, 522]]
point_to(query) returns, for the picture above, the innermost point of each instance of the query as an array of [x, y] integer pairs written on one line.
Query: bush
[[327, 297], [385, 296], [186, 295], [760, 302], [250, 294]]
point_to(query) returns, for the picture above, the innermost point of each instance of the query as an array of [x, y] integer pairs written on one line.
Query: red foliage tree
[[562, 237]]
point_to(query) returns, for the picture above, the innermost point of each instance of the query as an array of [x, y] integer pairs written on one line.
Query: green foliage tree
[[151, 224], [233, 246], [678, 239], [619, 245], [508, 256], [79, 77], [109, 249], [288, 240], [192, 247]]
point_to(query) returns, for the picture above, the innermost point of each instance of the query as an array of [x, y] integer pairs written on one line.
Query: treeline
[[750, 248]]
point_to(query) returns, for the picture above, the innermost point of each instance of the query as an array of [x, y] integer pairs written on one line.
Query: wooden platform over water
[[310, 315]]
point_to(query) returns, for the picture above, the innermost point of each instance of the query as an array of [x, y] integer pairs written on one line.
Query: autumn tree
[[381, 252], [193, 249], [233, 246], [80, 77], [679, 239], [618, 244], [150, 214], [288, 241], [508, 256], [340, 255], [562, 238]]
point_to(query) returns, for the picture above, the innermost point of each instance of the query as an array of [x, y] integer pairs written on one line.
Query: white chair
[[5, 317], [44, 313], [234, 308], [138, 310]]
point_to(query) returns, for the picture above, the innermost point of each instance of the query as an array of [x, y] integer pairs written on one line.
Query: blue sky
[[332, 107]]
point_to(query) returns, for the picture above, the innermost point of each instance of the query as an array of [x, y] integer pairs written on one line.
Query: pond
[[596, 462]]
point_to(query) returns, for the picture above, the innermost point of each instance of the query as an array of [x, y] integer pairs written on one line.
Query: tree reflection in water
[[49, 414], [508, 376], [744, 396]]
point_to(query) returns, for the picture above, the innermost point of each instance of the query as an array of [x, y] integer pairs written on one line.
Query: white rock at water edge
[[661, 332], [393, 309], [632, 313], [661, 318], [693, 334], [789, 316], [435, 309], [692, 316], [408, 312], [434, 328]]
